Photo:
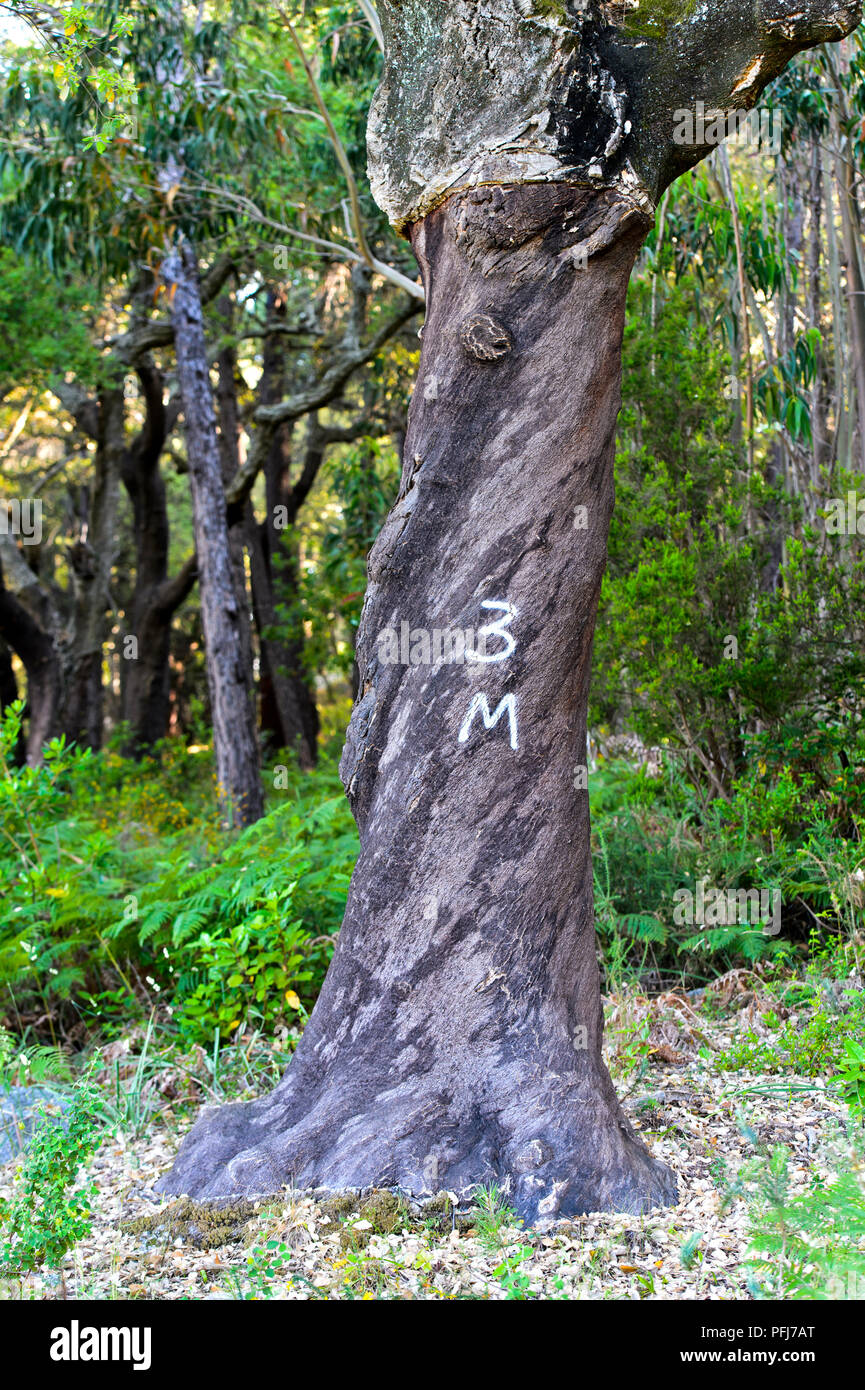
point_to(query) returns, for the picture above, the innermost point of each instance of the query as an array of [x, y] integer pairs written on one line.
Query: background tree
[[55, 184]]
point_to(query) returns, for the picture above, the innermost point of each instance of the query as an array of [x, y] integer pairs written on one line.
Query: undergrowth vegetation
[[169, 959], [120, 890]]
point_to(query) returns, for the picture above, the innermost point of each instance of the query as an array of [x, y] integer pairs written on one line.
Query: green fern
[[811, 1246]]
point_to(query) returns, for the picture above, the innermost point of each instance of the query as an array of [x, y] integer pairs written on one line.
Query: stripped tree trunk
[[234, 735], [457, 1039]]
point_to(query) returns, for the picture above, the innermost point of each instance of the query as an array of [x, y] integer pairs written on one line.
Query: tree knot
[[485, 339]]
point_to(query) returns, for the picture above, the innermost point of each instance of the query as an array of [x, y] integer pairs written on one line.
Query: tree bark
[[851, 234], [819, 394], [229, 446], [288, 709], [237, 761], [91, 559]]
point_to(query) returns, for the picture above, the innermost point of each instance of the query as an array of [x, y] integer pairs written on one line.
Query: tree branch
[[268, 418]]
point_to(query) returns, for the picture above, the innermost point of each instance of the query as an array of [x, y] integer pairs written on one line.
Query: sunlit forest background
[[727, 733]]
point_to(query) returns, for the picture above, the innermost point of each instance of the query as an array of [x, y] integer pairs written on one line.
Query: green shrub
[[810, 1246], [48, 1213], [120, 890]]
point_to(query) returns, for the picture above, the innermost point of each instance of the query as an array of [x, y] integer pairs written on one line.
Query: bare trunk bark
[[457, 1039], [234, 737]]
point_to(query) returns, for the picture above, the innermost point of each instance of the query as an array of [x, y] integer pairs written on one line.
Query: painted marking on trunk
[[479, 699], [496, 629], [480, 703]]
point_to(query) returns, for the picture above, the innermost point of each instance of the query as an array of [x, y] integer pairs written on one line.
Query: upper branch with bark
[[574, 91]]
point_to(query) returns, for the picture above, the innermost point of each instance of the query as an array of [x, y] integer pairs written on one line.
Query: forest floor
[[706, 1119]]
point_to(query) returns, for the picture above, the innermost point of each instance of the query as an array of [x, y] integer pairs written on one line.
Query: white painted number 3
[[497, 629]]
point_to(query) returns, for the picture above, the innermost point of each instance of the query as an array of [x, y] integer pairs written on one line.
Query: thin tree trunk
[[819, 394], [229, 441], [842, 420], [850, 234], [155, 597], [91, 560], [730, 194], [237, 761], [288, 710]]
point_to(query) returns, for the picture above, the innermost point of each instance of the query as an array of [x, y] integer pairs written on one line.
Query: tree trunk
[[819, 395], [155, 598], [229, 448], [39, 657], [851, 233], [237, 762], [90, 562], [288, 711], [147, 690], [457, 1039]]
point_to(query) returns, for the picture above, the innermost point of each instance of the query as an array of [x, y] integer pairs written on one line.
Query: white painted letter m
[[480, 702]]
